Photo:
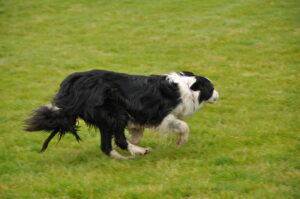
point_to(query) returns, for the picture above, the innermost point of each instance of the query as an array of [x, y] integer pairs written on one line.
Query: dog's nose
[[215, 96]]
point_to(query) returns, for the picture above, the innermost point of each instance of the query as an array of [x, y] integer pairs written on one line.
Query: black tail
[[54, 120]]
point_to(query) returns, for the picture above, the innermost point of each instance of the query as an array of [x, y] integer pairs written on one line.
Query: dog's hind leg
[[106, 146], [136, 135], [174, 125], [137, 150], [124, 144]]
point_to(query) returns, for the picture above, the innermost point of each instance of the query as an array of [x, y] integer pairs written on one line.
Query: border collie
[[113, 102]]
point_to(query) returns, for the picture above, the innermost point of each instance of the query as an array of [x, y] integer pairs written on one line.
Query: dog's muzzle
[[214, 97]]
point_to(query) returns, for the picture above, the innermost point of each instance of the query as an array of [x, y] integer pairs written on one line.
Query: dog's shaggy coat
[[114, 101]]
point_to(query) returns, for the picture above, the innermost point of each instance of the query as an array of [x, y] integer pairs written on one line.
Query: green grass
[[246, 146]]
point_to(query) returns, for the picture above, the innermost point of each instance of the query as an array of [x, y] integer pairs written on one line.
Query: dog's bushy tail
[[52, 119]]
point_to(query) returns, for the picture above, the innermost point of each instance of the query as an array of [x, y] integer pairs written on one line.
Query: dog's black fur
[[108, 101]]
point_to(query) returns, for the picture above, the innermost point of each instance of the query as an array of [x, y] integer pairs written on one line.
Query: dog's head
[[205, 86]]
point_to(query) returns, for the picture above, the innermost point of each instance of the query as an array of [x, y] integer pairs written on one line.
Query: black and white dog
[[114, 101]]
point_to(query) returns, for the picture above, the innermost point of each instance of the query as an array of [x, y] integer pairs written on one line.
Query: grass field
[[246, 146]]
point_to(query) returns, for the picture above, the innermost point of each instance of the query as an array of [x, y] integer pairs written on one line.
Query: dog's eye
[[195, 86]]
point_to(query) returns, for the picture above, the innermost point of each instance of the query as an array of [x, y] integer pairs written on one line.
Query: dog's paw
[[182, 139], [116, 155], [136, 150]]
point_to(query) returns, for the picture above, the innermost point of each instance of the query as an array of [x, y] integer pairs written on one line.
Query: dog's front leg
[[172, 124]]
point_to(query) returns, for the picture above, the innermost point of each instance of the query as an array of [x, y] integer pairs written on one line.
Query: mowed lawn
[[245, 146]]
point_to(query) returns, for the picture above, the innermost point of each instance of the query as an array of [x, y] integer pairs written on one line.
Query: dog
[[113, 102]]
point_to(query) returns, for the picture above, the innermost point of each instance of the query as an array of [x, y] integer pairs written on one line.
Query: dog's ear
[[187, 73], [196, 86]]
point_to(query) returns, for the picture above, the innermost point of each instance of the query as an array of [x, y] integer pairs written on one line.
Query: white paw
[[182, 139], [117, 155], [136, 150]]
